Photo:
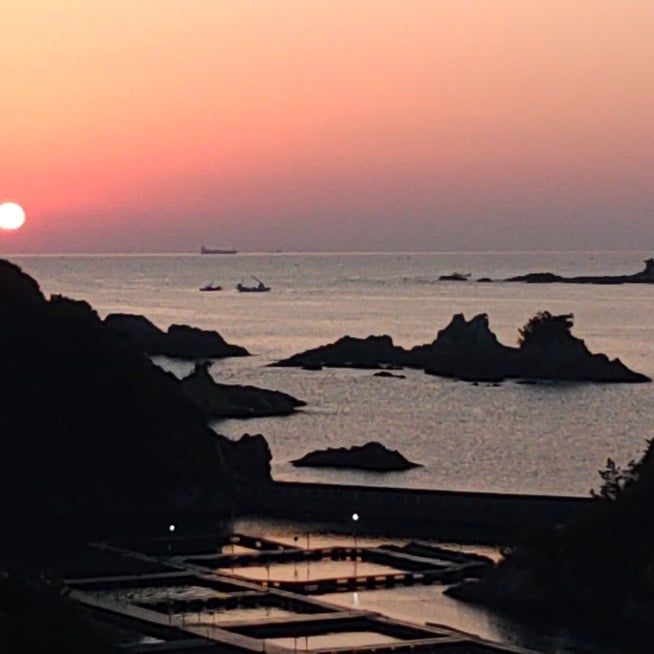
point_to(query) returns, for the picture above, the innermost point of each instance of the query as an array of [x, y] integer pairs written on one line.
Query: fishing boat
[[206, 250], [259, 288], [211, 287]]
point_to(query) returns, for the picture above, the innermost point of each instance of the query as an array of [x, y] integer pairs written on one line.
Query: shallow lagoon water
[[309, 570], [333, 640]]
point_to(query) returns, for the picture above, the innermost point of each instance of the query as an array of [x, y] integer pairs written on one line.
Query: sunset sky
[[325, 125]]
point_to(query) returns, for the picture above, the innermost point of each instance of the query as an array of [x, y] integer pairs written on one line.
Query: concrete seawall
[[493, 518]]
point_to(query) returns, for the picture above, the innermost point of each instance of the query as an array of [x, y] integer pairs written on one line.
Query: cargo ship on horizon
[[206, 250]]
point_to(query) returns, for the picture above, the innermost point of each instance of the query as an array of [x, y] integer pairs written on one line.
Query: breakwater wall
[[493, 518]]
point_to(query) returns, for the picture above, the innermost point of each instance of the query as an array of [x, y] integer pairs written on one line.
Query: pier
[[493, 518]]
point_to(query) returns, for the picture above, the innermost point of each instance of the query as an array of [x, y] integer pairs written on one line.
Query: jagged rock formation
[[470, 350], [89, 424], [371, 456], [645, 276], [465, 350], [179, 341], [548, 350], [234, 401]]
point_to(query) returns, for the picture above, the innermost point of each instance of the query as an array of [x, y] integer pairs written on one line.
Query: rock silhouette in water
[[469, 350], [217, 400], [371, 456]]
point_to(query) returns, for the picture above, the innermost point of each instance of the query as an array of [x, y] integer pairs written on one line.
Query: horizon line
[[317, 252]]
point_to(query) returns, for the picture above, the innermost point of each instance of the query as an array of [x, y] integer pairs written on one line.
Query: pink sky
[[161, 125]]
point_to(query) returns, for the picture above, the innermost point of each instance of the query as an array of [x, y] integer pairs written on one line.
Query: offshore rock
[[350, 352], [469, 350], [455, 277], [180, 341], [548, 350], [372, 456], [234, 401], [537, 278]]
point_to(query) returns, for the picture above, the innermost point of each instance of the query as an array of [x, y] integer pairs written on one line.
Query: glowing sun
[[12, 215]]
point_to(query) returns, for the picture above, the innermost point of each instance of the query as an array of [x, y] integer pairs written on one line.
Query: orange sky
[[159, 125]]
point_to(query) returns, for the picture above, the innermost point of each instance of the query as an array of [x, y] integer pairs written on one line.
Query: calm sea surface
[[543, 438]]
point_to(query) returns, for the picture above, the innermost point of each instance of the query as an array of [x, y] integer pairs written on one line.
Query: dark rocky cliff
[[179, 341], [89, 424]]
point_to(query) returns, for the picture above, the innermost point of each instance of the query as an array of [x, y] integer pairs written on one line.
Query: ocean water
[[536, 438]]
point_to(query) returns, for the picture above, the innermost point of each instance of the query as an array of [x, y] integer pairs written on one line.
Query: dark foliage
[[36, 617], [615, 479], [545, 327], [596, 570]]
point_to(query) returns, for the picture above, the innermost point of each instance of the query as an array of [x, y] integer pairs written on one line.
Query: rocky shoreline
[[217, 400], [179, 341], [645, 276], [95, 437]]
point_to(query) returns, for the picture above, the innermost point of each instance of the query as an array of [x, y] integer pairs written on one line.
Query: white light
[[12, 215], [171, 528], [355, 516]]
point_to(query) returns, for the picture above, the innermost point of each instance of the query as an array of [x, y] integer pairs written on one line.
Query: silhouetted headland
[[645, 276], [234, 400], [95, 436], [179, 341]]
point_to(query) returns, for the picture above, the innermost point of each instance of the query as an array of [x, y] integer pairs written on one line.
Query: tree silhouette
[[616, 479], [545, 327]]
